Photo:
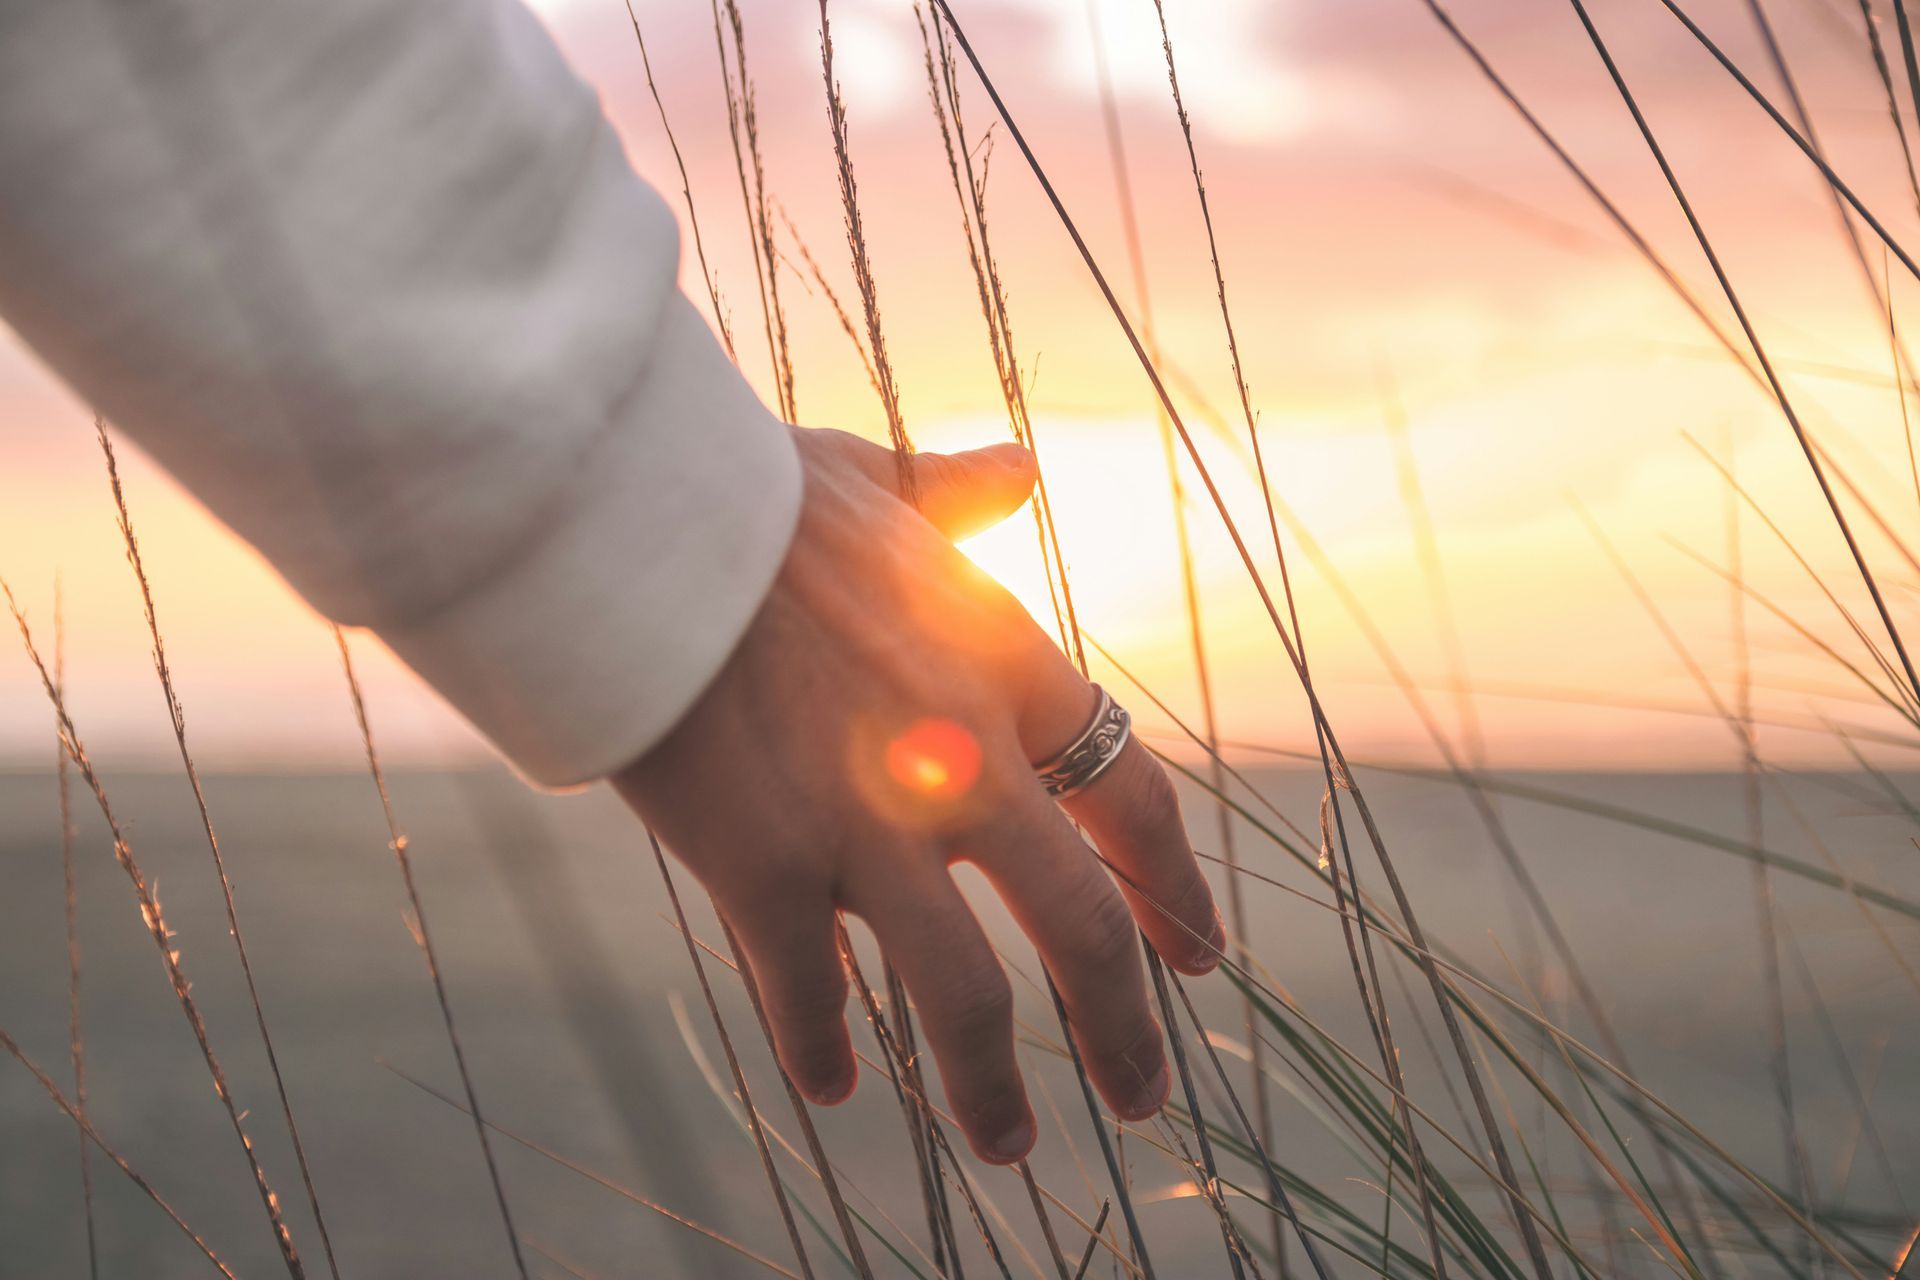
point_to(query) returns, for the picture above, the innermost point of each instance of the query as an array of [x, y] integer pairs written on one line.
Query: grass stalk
[[970, 192], [1746, 324], [743, 127], [863, 265], [897, 1062], [1907, 56], [733, 1065], [1799, 140], [1753, 801], [177, 714], [583, 977], [163, 939], [686, 191], [548, 1153], [1116, 149], [1333, 756], [397, 841], [76, 1030], [801, 1114], [1146, 348], [92, 1135]]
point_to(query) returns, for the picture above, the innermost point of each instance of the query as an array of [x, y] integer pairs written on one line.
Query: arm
[[375, 281], [372, 278]]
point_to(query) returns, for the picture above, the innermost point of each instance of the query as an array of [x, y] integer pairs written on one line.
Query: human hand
[[876, 725]]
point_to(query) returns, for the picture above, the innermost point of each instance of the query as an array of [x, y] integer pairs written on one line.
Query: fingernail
[[1153, 1095], [1207, 956], [832, 1095], [1012, 456], [1013, 1144]]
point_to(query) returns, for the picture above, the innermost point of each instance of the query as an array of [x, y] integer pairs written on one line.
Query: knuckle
[[809, 1003], [1192, 899], [938, 470], [1141, 1050], [982, 1001], [1107, 931], [1152, 804]]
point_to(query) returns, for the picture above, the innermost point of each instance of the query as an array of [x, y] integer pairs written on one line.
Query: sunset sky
[[1391, 233]]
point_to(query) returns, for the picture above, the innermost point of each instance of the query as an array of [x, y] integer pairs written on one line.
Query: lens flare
[[934, 758]]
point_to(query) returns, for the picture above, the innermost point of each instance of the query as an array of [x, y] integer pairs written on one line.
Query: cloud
[[1232, 73]]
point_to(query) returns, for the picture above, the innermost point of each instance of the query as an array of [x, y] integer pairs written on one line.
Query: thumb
[[963, 493]]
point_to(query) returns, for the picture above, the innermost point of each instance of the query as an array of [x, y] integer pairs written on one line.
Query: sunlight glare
[[934, 758]]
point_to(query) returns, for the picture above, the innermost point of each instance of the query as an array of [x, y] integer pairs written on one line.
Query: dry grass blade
[[1046, 1222], [1190, 589], [76, 1036], [1907, 53], [897, 1063], [1882, 300], [1332, 753], [1093, 1240], [1813, 574], [1799, 140], [1751, 778], [1457, 973], [733, 1064], [1235, 904], [548, 1153], [1408, 946], [922, 1120], [833, 299], [862, 264], [808, 1131], [1275, 1190], [1880, 65], [686, 189], [418, 922], [923, 1129], [1746, 324], [88, 1131], [742, 120], [177, 714], [163, 939], [1206, 1169], [977, 1203], [971, 193], [1586, 181], [1366, 977], [621, 1058], [1477, 790]]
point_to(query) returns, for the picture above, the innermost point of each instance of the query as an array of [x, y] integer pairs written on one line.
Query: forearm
[[374, 280]]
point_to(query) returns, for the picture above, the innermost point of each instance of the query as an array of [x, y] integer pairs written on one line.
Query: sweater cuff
[[590, 645]]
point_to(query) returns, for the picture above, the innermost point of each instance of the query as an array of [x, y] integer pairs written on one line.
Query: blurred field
[[547, 912]]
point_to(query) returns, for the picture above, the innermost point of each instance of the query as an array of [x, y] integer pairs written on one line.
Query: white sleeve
[[374, 280]]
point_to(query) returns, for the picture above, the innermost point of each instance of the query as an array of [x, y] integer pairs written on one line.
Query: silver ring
[[1099, 744]]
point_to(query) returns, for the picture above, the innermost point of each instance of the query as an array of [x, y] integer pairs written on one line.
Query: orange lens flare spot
[[934, 758]]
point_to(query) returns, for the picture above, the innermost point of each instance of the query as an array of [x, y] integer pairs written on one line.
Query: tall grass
[[177, 714], [76, 1030], [151, 916], [416, 920], [1538, 1113]]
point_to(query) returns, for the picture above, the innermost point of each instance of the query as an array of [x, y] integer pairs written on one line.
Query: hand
[[875, 726]]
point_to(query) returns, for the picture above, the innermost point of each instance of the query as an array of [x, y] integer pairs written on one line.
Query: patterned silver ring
[[1099, 744]]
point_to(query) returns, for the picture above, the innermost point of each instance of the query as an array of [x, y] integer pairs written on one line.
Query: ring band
[[1099, 744]]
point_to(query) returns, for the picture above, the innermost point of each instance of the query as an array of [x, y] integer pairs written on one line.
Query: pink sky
[[1377, 208]]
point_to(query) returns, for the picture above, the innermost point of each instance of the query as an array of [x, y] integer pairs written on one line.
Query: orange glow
[[934, 758], [1386, 261]]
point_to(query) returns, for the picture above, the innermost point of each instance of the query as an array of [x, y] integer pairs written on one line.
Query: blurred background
[[1397, 244], [1461, 368]]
